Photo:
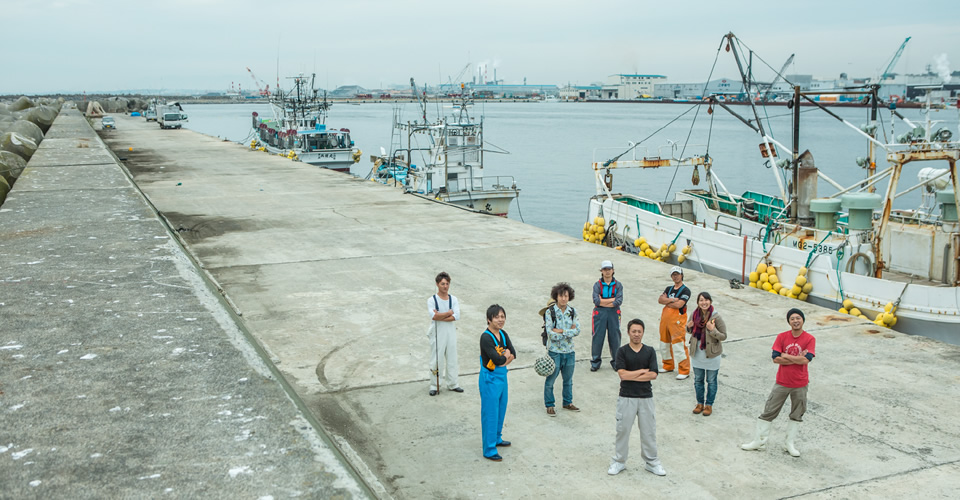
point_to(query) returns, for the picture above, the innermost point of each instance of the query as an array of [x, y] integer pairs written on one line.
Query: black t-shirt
[[679, 293], [629, 360]]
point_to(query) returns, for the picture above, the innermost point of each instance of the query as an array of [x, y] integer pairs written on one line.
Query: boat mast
[[732, 47]]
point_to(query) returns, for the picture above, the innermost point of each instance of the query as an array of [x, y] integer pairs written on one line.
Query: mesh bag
[[544, 366]]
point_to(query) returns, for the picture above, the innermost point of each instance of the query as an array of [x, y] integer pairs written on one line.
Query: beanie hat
[[793, 311]]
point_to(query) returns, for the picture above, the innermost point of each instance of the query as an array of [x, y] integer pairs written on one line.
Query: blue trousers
[[565, 363], [606, 323], [711, 376], [493, 407]]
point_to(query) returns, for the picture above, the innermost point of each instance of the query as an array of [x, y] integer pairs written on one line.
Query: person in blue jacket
[[496, 352], [607, 297]]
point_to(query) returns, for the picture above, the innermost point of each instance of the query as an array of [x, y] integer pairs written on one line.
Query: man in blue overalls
[[607, 297], [496, 352]]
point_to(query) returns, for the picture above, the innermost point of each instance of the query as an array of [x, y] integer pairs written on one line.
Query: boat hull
[[339, 160], [930, 311]]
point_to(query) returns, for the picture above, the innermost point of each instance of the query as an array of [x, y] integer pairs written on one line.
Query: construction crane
[[888, 73], [263, 88], [454, 81]]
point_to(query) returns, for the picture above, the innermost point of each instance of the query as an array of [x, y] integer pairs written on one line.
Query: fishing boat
[[444, 160], [848, 250], [298, 129]]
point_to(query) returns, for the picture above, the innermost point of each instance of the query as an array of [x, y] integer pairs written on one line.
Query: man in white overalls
[[444, 309]]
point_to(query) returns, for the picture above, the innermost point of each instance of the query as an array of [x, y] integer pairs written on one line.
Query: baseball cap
[[676, 269], [606, 264]]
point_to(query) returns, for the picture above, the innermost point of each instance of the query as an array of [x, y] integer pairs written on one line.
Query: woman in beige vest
[[707, 330]]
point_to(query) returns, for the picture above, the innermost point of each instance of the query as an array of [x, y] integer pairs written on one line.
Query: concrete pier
[[330, 274], [121, 374]]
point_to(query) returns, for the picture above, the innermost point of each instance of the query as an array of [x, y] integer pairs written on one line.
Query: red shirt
[[794, 376]]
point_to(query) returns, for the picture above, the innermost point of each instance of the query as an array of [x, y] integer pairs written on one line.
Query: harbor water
[[552, 145]]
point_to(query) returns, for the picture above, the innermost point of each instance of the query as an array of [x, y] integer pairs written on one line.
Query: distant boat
[[299, 131], [451, 152]]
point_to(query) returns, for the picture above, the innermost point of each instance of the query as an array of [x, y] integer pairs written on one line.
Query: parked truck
[[171, 116]]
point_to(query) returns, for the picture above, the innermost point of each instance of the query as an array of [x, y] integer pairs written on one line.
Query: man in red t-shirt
[[793, 350]]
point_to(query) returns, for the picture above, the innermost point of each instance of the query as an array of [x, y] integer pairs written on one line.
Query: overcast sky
[[108, 45]]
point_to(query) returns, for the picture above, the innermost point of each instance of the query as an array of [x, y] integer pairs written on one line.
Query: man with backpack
[[444, 309], [560, 326]]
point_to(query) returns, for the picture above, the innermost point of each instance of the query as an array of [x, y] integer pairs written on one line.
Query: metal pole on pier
[[794, 206]]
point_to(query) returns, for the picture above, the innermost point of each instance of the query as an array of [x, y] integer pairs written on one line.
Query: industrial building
[[626, 87]]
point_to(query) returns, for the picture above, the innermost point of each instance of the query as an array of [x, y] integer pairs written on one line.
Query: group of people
[[686, 341]]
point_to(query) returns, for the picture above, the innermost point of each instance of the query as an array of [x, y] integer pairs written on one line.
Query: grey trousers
[[778, 396], [641, 410]]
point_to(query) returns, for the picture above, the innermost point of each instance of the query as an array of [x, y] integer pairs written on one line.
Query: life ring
[[896, 99]]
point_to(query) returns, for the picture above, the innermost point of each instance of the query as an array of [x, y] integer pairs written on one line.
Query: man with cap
[[607, 297], [673, 326], [793, 350]]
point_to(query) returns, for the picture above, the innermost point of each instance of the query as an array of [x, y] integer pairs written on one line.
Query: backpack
[[553, 316]]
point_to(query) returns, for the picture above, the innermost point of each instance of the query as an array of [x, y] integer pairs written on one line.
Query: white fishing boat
[[849, 250], [298, 129], [444, 160]]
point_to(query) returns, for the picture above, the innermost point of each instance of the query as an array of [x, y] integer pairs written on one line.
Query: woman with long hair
[[707, 330]]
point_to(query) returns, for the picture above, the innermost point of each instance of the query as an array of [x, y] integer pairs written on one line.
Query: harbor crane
[[888, 72], [263, 88]]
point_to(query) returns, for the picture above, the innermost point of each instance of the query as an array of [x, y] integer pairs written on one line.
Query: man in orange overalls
[[673, 321]]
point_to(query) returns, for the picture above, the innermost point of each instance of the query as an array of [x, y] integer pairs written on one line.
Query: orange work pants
[[673, 345]]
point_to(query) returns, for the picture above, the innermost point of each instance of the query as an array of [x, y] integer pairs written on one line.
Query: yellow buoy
[[887, 318], [681, 258], [636, 243], [761, 268], [894, 321], [767, 286], [772, 278], [599, 221], [848, 304], [773, 291], [801, 280], [771, 270], [796, 290], [888, 308], [754, 276], [802, 271], [673, 248], [586, 226], [808, 287], [642, 240], [844, 311], [783, 291], [686, 250], [644, 246], [753, 285], [792, 296], [863, 317], [764, 277], [777, 287], [802, 296], [856, 312]]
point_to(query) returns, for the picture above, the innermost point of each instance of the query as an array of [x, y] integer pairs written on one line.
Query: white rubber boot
[[763, 432], [792, 429]]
